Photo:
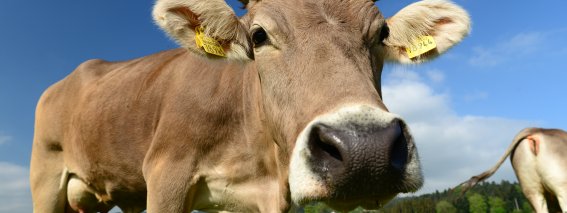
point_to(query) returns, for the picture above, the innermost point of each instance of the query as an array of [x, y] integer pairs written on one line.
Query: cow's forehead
[[297, 23], [306, 13]]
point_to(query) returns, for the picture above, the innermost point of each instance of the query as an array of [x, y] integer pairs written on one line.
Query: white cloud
[[519, 45], [452, 147], [14, 188], [405, 93]]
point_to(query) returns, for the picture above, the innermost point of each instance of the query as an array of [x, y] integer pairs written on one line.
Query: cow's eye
[[259, 37], [384, 32]]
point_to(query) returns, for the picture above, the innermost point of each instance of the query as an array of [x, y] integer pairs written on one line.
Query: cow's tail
[[465, 186]]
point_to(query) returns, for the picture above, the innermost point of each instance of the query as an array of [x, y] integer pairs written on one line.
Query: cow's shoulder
[[97, 75]]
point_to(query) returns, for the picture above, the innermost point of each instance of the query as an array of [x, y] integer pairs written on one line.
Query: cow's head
[[319, 63]]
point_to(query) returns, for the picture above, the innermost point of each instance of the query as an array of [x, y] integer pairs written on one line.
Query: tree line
[[486, 197]]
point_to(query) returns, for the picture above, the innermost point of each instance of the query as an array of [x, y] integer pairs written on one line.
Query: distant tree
[[509, 193], [527, 207], [497, 205], [445, 207], [517, 211], [477, 203], [317, 207], [358, 210], [361, 210]]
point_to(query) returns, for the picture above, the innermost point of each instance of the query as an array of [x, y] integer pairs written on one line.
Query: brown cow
[[294, 114], [539, 158]]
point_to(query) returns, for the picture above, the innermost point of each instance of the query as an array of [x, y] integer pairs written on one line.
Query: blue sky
[[464, 107]]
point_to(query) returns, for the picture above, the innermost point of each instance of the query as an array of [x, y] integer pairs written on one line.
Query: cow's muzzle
[[356, 155]]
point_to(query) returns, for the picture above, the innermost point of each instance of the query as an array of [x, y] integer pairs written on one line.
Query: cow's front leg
[[170, 185]]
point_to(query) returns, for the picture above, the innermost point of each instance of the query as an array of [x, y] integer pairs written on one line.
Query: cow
[[539, 159], [260, 113]]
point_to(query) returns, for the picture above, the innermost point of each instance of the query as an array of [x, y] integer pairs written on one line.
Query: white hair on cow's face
[[177, 17], [442, 19]]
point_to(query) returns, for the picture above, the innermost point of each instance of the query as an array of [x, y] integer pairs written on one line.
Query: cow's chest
[[216, 192]]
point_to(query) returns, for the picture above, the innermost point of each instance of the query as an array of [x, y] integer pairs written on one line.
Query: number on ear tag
[[421, 45]]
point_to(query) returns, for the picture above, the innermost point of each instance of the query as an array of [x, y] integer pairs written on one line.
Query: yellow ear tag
[[421, 45], [210, 45], [198, 35]]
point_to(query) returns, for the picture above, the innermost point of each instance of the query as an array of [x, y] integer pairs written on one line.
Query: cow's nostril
[[326, 143], [399, 151]]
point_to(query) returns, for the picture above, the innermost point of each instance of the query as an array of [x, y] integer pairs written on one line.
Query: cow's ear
[[423, 25], [207, 27]]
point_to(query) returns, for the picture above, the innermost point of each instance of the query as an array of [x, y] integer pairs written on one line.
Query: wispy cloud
[[4, 138], [475, 96], [452, 147], [14, 188], [519, 45], [436, 76]]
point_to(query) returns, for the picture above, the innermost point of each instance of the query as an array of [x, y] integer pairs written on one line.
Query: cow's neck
[[255, 113], [249, 156]]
